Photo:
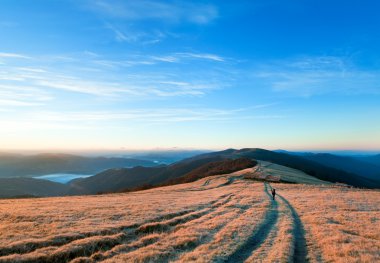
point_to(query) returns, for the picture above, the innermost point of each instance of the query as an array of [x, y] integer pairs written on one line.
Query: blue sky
[[122, 74]]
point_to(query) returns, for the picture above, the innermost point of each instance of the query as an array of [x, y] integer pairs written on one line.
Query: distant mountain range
[[357, 172], [165, 156], [374, 159], [367, 166], [12, 165], [29, 187]]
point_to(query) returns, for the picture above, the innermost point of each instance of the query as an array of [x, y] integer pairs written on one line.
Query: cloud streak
[[168, 11], [212, 57], [19, 96], [127, 19], [317, 76], [136, 76], [12, 55], [156, 115]]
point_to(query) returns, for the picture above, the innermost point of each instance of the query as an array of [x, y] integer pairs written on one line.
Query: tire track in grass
[[212, 245], [207, 182], [165, 226], [159, 228], [107, 242], [259, 235], [300, 248], [229, 181], [60, 240], [279, 245], [299, 241], [172, 252]]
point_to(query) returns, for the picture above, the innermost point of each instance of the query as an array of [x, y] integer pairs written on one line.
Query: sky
[[126, 74]]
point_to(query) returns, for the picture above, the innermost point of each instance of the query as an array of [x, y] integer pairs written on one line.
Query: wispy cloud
[[95, 120], [12, 55], [127, 19], [148, 115], [18, 103], [29, 69], [178, 57], [133, 35], [169, 58], [168, 11], [164, 58], [108, 82], [203, 56], [19, 96], [120, 36], [319, 75], [118, 90]]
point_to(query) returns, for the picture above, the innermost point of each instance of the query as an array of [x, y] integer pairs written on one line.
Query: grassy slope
[[208, 220], [290, 175], [114, 180], [343, 224]]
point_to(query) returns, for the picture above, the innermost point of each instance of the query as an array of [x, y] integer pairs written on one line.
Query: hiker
[[273, 192]]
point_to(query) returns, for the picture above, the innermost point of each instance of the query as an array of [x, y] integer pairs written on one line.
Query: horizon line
[[159, 149]]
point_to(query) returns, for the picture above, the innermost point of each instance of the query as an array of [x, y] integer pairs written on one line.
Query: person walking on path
[[273, 192]]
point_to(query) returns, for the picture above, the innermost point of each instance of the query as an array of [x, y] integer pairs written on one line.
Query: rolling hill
[[187, 170], [312, 168], [289, 175], [116, 180], [29, 187], [347, 164], [373, 159], [364, 165], [12, 165]]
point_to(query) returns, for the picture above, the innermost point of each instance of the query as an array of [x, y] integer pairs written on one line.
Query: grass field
[[217, 219]]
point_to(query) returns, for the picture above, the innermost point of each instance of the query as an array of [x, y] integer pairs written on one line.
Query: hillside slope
[[289, 175], [222, 218], [126, 179], [116, 180], [29, 187], [374, 159], [214, 168], [312, 168], [28, 166], [347, 164], [367, 166]]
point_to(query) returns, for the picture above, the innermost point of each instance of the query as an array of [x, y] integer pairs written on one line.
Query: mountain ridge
[[49, 163], [139, 177]]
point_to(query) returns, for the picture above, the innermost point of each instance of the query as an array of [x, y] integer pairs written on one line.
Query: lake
[[62, 178]]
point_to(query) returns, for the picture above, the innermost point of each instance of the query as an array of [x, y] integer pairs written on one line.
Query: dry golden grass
[[216, 219], [278, 247], [342, 224]]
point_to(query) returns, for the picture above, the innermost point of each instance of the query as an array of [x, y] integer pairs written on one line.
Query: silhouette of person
[[273, 193]]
